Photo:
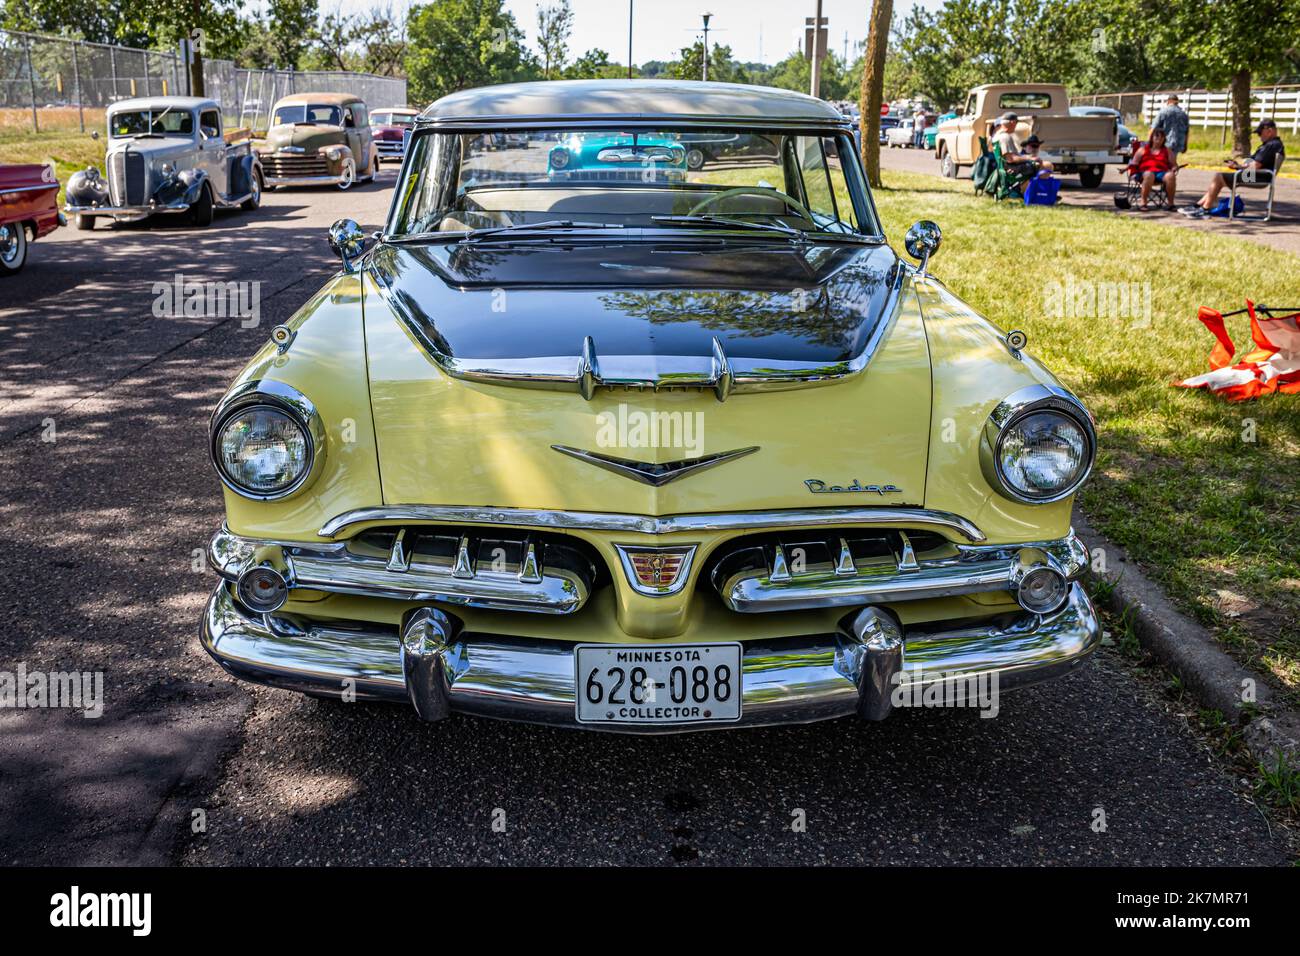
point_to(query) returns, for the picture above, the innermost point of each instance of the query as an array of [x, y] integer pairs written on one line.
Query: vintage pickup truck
[[167, 154], [28, 207], [1074, 144]]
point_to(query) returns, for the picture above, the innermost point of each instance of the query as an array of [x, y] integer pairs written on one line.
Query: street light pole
[[707, 17], [816, 52]]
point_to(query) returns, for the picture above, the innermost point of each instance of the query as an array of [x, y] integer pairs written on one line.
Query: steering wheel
[[790, 202]]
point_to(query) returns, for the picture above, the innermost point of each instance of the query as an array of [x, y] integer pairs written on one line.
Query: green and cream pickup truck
[[1085, 145]]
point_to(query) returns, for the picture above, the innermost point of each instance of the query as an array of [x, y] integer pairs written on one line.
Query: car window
[[210, 123], [380, 119], [628, 177], [156, 122], [1024, 101], [307, 113], [970, 105]]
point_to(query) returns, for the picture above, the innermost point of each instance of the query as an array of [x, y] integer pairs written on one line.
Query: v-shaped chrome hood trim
[[654, 473]]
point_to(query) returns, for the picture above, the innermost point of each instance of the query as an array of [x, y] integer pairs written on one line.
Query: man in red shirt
[[1154, 163]]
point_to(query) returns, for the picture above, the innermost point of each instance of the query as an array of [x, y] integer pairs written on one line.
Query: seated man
[[1261, 166], [1153, 163], [1013, 156], [1029, 148]]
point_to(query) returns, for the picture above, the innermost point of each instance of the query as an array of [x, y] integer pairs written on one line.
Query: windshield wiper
[[725, 223], [522, 227]]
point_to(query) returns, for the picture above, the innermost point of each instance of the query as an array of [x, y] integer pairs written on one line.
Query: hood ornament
[[656, 571], [651, 472]]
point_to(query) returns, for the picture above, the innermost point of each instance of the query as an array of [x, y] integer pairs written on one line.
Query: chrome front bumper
[[301, 180], [137, 212], [786, 681]]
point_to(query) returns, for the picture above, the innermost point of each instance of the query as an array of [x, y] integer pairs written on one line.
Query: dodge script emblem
[[656, 570]]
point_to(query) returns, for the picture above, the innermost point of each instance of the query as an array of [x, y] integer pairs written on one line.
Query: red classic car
[[390, 125], [28, 207]]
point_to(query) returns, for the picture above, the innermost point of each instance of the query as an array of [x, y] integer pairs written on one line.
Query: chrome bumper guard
[[441, 669]]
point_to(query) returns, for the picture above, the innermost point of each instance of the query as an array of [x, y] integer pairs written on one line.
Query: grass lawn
[[1206, 494], [68, 150]]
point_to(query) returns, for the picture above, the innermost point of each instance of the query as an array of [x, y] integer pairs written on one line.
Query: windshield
[[634, 177], [392, 119], [156, 122], [308, 113]]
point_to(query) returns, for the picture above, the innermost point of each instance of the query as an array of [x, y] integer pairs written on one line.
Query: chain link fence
[[52, 83]]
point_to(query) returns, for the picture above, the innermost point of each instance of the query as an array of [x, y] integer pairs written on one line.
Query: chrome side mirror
[[348, 241], [922, 241]]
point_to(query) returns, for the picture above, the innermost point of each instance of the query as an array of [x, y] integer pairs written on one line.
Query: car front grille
[[126, 179], [281, 165]]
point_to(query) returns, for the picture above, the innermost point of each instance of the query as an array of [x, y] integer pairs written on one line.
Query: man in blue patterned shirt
[[1174, 122]]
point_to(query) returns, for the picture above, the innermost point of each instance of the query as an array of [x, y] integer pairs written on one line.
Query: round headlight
[[559, 158], [1038, 445], [262, 451], [1043, 455]]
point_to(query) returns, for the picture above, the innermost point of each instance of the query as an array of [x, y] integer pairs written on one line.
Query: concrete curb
[[1189, 650]]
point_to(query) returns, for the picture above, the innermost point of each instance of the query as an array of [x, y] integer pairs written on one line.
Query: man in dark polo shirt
[[1261, 167]]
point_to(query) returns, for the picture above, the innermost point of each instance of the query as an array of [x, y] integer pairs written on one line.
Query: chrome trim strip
[[975, 570], [640, 470], [646, 524], [786, 681], [447, 124], [29, 189], [402, 576], [582, 373]]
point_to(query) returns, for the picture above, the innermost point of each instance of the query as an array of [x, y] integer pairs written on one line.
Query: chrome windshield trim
[[584, 372], [647, 524]]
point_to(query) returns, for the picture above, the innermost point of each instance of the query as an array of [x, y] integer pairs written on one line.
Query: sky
[[756, 30]]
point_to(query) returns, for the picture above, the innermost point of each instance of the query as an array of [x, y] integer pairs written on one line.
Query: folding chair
[[1007, 182], [1244, 178]]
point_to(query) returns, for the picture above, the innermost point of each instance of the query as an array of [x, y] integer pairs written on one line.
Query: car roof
[[632, 100], [329, 99], [162, 102]]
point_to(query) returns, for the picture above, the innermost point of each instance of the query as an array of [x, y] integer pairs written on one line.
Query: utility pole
[[629, 38], [816, 48], [707, 18]]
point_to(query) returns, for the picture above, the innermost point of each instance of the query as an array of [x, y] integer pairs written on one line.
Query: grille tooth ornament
[[845, 563], [399, 559], [464, 566], [780, 568], [907, 559], [528, 570]]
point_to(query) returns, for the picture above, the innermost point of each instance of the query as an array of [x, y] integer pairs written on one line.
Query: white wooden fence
[[1213, 108]]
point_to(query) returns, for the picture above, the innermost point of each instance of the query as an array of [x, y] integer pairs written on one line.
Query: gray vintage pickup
[[167, 154]]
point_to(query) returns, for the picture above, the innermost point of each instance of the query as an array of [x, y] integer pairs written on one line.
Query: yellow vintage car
[[644, 452]]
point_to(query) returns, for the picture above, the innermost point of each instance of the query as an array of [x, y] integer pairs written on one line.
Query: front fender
[[185, 187]]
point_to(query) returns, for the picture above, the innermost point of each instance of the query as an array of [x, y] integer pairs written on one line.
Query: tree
[[457, 44], [594, 64], [554, 24], [1231, 43], [84, 19], [873, 84], [722, 66], [381, 35], [213, 26], [291, 27]]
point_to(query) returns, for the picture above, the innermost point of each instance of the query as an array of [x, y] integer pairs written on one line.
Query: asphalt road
[[98, 528]]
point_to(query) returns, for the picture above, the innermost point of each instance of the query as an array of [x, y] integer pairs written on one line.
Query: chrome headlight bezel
[[1014, 408], [281, 398]]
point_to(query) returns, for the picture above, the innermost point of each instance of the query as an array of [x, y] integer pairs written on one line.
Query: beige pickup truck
[[1074, 144]]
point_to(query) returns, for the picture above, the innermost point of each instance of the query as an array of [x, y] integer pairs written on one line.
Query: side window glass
[[210, 123], [839, 184]]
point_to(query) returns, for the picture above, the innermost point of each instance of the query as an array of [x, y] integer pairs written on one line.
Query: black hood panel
[[516, 300]]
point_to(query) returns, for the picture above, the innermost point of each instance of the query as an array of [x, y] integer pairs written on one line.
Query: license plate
[[677, 684]]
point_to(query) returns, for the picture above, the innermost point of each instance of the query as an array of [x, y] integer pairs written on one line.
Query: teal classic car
[[603, 155], [931, 132]]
